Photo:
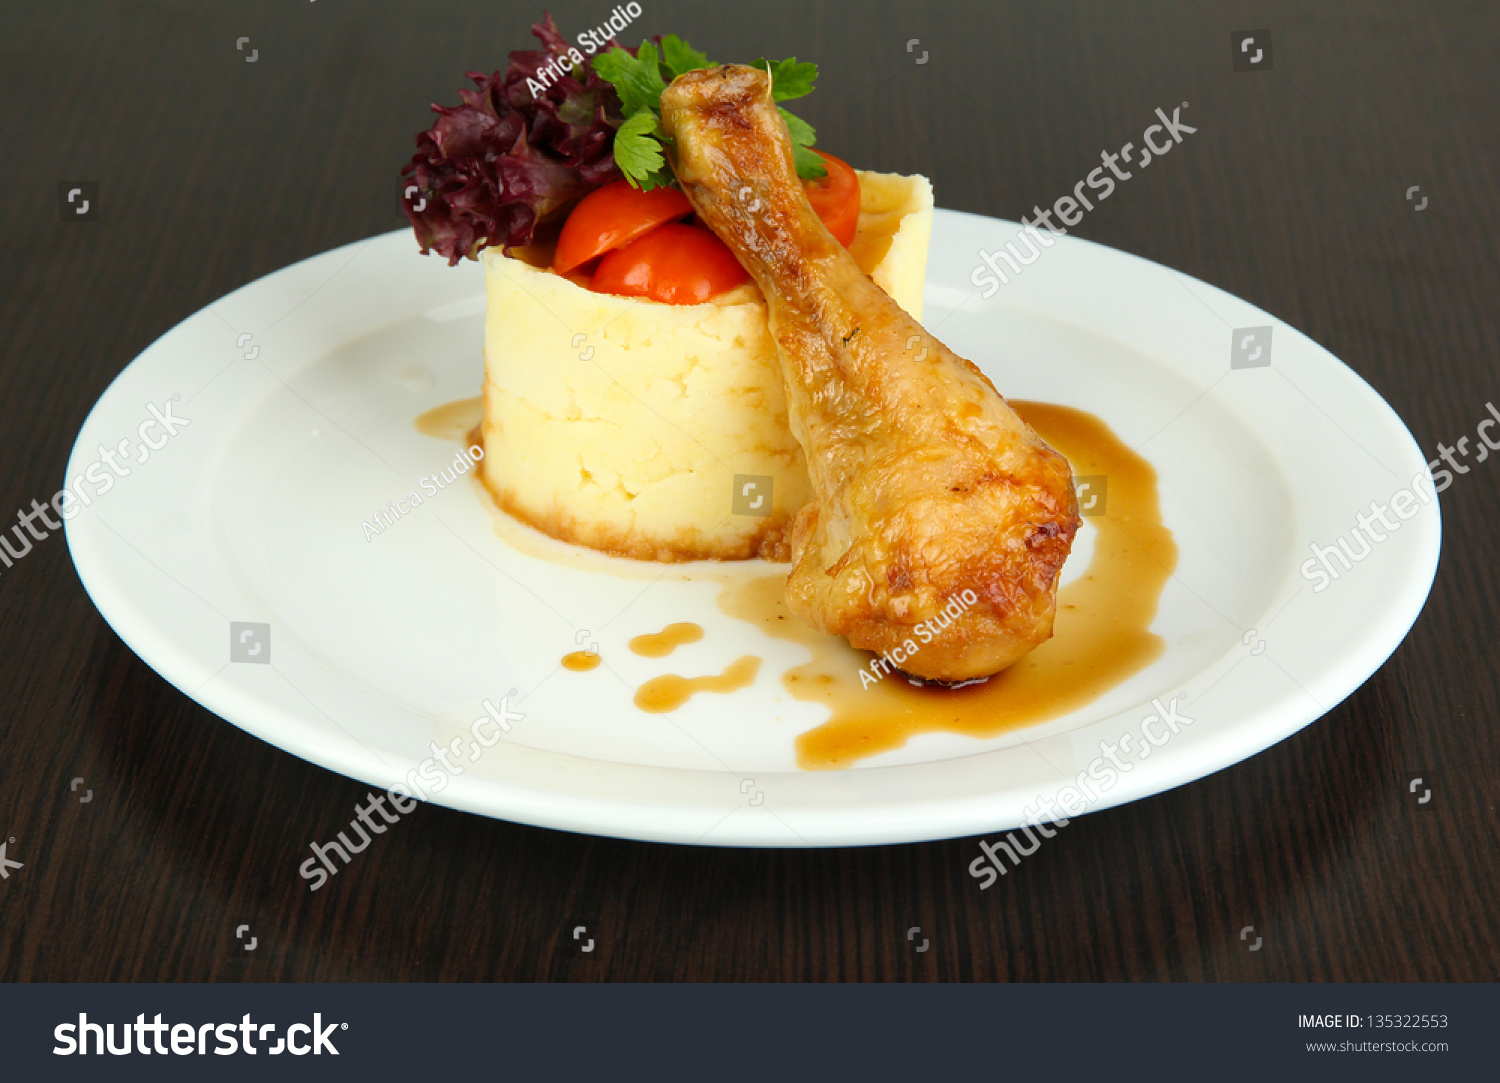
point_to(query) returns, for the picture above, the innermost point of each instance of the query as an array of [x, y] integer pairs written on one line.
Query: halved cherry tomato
[[836, 197], [613, 216], [673, 263]]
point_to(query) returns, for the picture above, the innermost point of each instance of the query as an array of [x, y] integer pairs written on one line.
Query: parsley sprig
[[639, 81]]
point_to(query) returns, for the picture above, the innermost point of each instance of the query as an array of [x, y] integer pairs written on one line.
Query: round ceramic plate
[[232, 557]]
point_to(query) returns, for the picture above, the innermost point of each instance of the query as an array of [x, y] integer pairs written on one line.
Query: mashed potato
[[623, 424]]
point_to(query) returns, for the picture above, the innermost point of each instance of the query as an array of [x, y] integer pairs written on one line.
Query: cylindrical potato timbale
[[621, 424]]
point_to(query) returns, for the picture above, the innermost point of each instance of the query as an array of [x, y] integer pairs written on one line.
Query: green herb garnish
[[639, 81]]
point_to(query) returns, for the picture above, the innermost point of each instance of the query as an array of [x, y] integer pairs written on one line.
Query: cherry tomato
[[674, 263], [613, 216], [836, 197]]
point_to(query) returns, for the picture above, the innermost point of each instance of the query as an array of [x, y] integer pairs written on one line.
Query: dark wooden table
[[213, 171]]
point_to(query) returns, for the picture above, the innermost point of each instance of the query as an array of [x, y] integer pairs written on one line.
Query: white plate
[[301, 390]]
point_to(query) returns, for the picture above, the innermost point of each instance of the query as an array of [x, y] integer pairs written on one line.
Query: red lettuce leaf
[[494, 167]]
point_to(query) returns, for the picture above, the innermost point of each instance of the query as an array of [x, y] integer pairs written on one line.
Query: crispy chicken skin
[[926, 484]]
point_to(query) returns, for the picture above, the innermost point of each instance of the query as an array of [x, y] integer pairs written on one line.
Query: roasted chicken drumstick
[[940, 520]]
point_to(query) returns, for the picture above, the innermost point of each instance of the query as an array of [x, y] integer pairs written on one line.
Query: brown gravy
[[667, 693], [453, 420], [1102, 634], [662, 643], [1101, 637]]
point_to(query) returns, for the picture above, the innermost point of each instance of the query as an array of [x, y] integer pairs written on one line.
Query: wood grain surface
[[213, 171]]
